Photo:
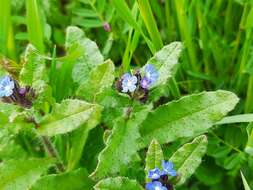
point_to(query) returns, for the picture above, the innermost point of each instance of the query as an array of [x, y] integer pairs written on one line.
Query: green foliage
[[34, 24], [121, 146], [33, 68], [187, 117], [154, 156], [245, 183], [90, 54], [188, 157], [166, 60], [68, 116], [117, 184], [97, 141], [15, 174], [99, 79], [75, 180]]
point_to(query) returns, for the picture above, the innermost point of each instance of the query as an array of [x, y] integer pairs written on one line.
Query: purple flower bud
[[22, 91], [107, 27]]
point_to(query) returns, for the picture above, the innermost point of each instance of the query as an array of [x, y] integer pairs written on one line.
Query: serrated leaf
[[21, 174], [74, 180], [68, 116], [165, 60], [90, 54], [118, 183], [154, 156], [121, 146], [187, 158], [187, 117], [34, 67], [99, 79]]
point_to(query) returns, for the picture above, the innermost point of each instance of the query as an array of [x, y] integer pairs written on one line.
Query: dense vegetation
[[126, 94]]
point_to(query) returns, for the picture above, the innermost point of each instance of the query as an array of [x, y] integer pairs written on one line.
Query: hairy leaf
[[21, 174], [68, 116], [154, 156], [187, 158], [165, 60], [34, 67], [118, 183], [99, 79], [187, 117], [90, 54], [121, 146], [74, 180]]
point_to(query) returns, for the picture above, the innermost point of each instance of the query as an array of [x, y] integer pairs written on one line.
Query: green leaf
[[68, 116], [34, 67], [121, 146], [21, 174], [74, 180], [165, 61], [99, 79], [187, 158], [154, 156], [90, 54], [9, 148], [187, 117], [78, 140], [34, 24], [118, 183], [249, 146], [245, 183]]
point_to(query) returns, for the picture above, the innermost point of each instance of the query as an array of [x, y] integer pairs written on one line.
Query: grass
[[217, 34]]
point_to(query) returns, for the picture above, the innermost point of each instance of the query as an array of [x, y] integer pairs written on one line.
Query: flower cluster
[[10, 92], [160, 178], [137, 85]]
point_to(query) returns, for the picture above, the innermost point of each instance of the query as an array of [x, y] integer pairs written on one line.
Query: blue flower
[[156, 185], [6, 86], [151, 73], [168, 168], [128, 83], [145, 82], [154, 174]]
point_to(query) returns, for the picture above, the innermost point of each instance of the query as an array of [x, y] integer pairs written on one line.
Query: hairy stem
[[49, 147]]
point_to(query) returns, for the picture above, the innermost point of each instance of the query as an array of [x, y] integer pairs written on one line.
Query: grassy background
[[218, 55]]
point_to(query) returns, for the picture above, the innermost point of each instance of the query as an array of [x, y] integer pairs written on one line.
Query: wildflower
[[6, 86], [128, 83], [145, 82], [155, 185], [168, 168], [151, 74], [154, 174]]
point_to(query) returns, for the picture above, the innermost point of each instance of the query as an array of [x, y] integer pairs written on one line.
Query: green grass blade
[[7, 45], [241, 118], [34, 24], [150, 23], [124, 11], [245, 183]]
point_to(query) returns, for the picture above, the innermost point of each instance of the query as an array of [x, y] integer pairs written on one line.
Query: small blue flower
[[156, 185], [128, 83], [6, 86], [154, 174], [145, 82], [168, 168], [151, 73]]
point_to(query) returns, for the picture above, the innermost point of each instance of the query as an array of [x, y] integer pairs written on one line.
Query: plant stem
[[49, 147]]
